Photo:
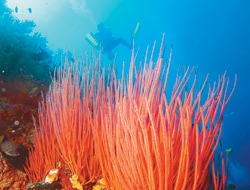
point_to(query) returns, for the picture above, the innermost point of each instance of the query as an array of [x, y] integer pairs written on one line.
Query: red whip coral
[[64, 133], [145, 141], [44, 157], [129, 131]]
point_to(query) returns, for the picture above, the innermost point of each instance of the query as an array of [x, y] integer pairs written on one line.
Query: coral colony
[[96, 131]]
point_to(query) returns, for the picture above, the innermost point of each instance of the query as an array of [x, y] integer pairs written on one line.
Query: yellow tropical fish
[[33, 90]]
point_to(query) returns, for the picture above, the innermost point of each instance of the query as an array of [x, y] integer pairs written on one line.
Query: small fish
[[229, 114], [228, 150], [33, 90], [8, 147], [16, 9], [232, 186], [29, 10]]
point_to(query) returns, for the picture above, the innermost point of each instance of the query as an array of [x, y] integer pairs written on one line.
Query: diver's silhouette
[[107, 42]]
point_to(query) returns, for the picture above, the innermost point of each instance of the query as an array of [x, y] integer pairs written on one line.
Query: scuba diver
[[104, 41]]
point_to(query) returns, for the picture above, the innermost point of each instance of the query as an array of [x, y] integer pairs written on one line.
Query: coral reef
[[11, 178], [22, 51], [127, 132], [24, 73]]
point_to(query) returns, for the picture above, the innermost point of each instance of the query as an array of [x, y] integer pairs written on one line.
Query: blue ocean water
[[212, 35]]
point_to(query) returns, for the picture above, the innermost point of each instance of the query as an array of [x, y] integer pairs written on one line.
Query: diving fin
[[136, 29]]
